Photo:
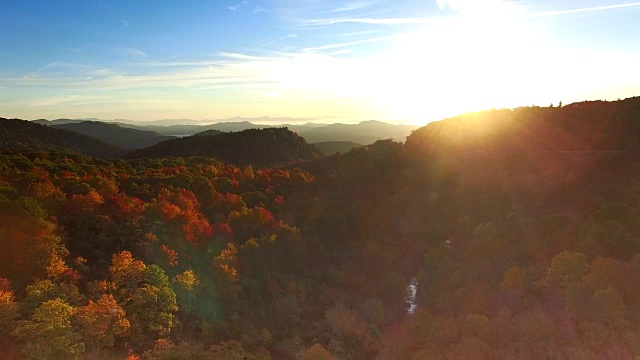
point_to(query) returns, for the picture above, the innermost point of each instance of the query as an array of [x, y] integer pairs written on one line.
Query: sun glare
[[459, 65]]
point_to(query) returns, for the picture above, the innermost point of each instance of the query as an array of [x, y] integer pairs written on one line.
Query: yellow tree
[[186, 284]]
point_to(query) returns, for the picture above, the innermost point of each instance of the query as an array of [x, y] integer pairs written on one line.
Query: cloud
[[306, 82], [586, 9], [306, 12], [452, 4], [474, 5], [373, 21], [133, 52], [61, 99], [352, 43], [482, 9], [357, 5], [238, 56], [358, 33], [290, 36], [225, 71], [124, 23]]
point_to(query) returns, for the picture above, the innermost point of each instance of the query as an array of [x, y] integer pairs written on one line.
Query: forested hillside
[[271, 146], [520, 230], [333, 147], [25, 135]]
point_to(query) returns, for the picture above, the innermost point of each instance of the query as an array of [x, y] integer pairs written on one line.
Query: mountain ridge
[[258, 147], [17, 134]]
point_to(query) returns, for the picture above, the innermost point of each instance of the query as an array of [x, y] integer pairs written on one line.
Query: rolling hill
[[264, 147], [16, 134]]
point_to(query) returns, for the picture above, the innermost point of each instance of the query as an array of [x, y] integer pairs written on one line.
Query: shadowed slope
[[19, 134], [272, 146]]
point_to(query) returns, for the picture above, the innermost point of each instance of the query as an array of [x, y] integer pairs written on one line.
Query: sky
[[404, 61]]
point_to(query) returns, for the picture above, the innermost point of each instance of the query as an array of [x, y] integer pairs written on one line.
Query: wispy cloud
[[61, 99], [132, 52], [376, 21], [463, 5], [239, 56], [289, 36], [231, 80], [352, 6], [352, 43], [124, 23], [358, 33], [306, 12], [474, 8], [584, 10], [235, 7]]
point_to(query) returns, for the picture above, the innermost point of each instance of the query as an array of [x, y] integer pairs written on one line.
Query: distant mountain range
[[238, 142], [365, 132]]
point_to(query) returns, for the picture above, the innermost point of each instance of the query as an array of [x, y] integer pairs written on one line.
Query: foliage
[[49, 333], [519, 228]]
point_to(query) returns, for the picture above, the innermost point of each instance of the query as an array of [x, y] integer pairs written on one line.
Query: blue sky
[[410, 61]]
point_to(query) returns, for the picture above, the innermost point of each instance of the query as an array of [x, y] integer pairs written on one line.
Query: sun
[[459, 65]]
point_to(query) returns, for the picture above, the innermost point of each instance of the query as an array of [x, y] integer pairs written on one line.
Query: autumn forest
[[518, 229]]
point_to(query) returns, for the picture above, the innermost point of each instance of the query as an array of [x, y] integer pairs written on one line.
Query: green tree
[[44, 290], [153, 306], [145, 294], [49, 333]]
